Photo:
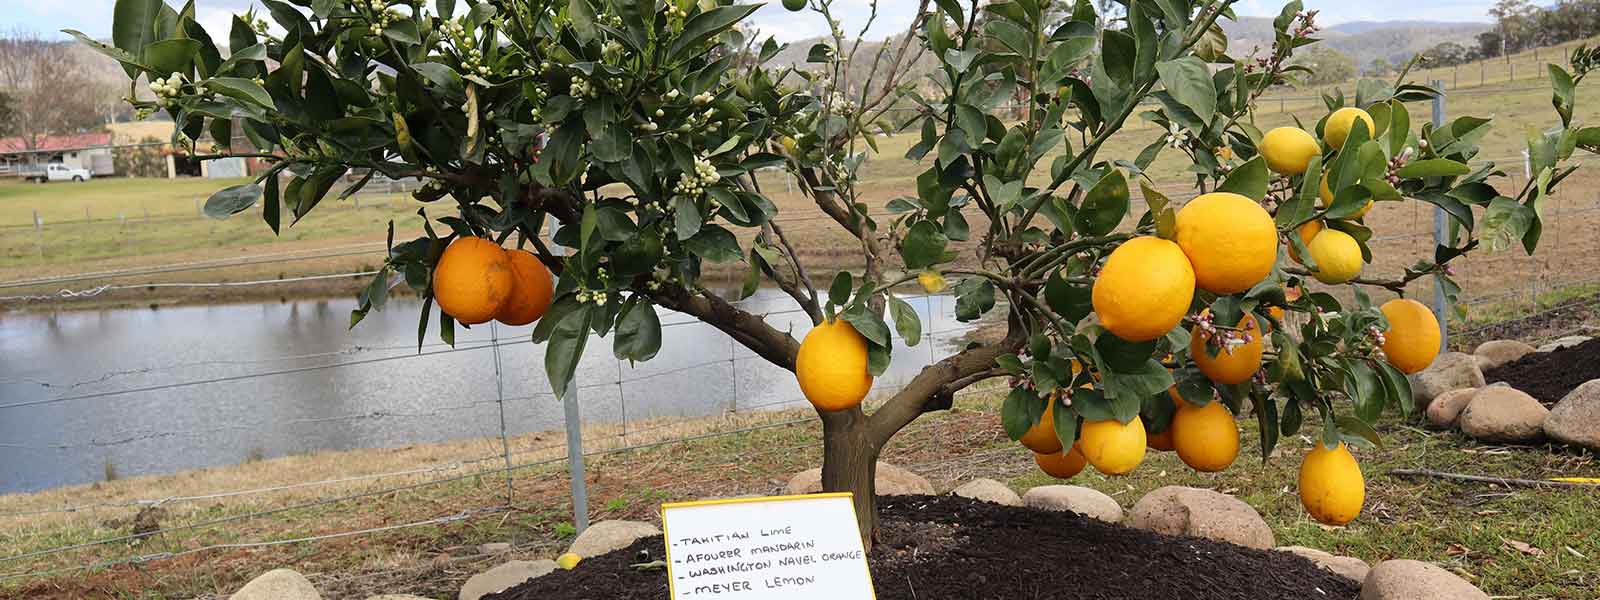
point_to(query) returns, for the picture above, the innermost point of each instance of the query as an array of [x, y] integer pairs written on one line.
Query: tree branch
[[750, 330], [807, 297], [941, 378]]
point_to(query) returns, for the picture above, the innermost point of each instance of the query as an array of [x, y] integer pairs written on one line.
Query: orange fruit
[[1160, 441], [1061, 465], [1205, 436], [1144, 289], [1041, 438], [832, 366], [1413, 336], [531, 289], [1307, 232], [1236, 364], [472, 280], [1229, 239]]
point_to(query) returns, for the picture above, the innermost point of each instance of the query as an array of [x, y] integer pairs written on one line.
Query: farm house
[[90, 151]]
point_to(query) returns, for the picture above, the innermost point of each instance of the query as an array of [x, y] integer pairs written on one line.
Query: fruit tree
[[637, 128]]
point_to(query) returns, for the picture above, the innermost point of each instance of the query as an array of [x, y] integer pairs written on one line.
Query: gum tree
[[637, 127]]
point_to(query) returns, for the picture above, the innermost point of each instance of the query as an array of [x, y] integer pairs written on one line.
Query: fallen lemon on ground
[[1230, 241], [1331, 486], [1338, 256], [832, 366], [1061, 465], [568, 561], [1413, 336], [1337, 128], [1144, 289], [1205, 437], [1234, 362], [1041, 438], [1288, 150], [531, 289], [1113, 447], [472, 280]]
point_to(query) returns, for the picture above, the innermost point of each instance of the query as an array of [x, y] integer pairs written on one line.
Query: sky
[[94, 16]]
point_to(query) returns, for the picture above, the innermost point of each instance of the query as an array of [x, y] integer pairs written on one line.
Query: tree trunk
[[850, 464]]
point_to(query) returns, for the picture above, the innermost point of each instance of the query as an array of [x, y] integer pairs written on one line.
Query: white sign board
[[777, 548]]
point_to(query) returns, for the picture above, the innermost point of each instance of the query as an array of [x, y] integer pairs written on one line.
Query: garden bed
[[1549, 376], [953, 547]]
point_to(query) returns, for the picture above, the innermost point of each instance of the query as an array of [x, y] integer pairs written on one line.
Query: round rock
[[1075, 498], [1446, 409], [1349, 567], [278, 584], [504, 577], [1576, 418], [1503, 415], [1416, 580], [606, 536], [890, 481], [988, 490], [1178, 510], [1494, 353], [1450, 371]]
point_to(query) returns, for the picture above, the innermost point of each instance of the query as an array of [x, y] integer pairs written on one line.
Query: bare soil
[[1549, 376]]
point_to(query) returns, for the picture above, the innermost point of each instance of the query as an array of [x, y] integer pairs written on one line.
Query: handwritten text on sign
[[770, 548]]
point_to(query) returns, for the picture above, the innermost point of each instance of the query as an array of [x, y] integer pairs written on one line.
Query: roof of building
[[56, 143]]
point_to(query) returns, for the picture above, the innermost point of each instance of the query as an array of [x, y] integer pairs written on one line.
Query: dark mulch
[[1548, 376], [949, 547]]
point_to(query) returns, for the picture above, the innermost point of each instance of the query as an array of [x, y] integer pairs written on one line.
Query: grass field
[[1474, 530]]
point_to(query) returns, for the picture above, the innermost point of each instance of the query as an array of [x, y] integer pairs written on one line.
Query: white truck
[[55, 172]]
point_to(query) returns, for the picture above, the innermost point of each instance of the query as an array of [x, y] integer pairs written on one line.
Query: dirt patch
[[1549, 376], [1567, 316], [951, 547]]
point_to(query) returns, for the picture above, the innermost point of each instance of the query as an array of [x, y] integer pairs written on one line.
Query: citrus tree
[[637, 128]]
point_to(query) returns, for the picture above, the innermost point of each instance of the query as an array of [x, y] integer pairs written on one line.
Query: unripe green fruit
[[795, 5]]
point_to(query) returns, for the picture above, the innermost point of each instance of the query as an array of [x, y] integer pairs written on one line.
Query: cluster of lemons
[[476, 280]]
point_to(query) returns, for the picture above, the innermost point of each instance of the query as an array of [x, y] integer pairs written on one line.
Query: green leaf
[[706, 25], [1505, 222], [906, 321], [1300, 207], [686, 217], [171, 56], [1014, 412], [1104, 206], [923, 246], [1189, 81], [839, 290], [1070, 302], [1248, 180], [715, 244], [974, 296], [1365, 390], [241, 89], [133, 26], [1434, 167], [563, 152], [638, 331], [1161, 211], [231, 200], [1066, 423], [1360, 429], [869, 325], [565, 348], [612, 144]]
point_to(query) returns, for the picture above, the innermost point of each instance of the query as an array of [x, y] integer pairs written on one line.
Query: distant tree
[[1379, 66], [1515, 21], [1328, 66], [51, 91], [1489, 45], [6, 111], [1447, 54]]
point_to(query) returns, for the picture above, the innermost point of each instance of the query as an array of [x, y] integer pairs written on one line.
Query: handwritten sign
[[771, 548]]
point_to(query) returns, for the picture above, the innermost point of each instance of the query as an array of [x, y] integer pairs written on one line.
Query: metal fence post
[[574, 419], [1441, 304]]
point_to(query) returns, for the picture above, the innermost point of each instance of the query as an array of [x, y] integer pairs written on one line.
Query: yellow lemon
[[1234, 363], [1288, 150], [1413, 336], [1059, 464], [1144, 289], [1331, 486], [1338, 256], [932, 282], [1229, 239], [832, 366], [1307, 232], [1113, 447], [568, 561], [1205, 436], [1325, 199], [1337, 127], [1041, 438]]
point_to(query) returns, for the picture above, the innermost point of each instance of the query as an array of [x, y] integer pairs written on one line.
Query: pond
[[146, 391]]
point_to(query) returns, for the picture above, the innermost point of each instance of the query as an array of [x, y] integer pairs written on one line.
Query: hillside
[[1362, 41]]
